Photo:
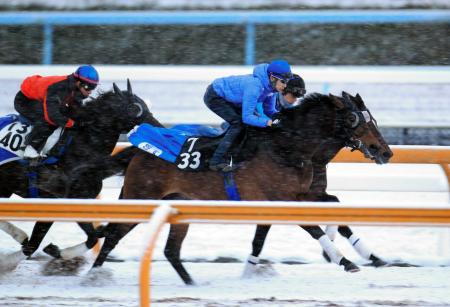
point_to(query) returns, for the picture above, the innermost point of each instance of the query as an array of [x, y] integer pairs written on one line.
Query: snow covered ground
[[316, 283]]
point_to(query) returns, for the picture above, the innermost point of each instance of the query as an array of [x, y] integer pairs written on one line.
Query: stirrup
[[223, 166]]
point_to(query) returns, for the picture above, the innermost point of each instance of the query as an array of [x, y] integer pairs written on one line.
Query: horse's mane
[[312, 100], [101, 99]]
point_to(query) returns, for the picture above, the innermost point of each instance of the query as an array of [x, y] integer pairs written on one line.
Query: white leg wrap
[[331, 250], [359, 246], [16, 233], [252, 259], [250, 267], [331, 231], [74, 251]]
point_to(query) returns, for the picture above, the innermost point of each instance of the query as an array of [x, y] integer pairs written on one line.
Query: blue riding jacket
[[246, 91]]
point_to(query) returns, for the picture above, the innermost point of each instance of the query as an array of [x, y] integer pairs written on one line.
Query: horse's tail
[[119, 162]]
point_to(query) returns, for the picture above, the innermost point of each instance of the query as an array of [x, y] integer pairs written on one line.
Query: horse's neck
[[333, 142], [314, 129], [90, 145]]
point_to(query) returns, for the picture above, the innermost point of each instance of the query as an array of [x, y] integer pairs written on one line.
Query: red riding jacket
[[57, 94]]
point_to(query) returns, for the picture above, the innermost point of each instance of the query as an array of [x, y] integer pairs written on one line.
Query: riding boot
[[217, 161]]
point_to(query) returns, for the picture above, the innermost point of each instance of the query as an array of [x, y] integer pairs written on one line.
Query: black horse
[[279, 166], [86, 161]]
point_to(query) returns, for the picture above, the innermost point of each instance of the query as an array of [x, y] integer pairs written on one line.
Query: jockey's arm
[[53, 104], [249, 102]]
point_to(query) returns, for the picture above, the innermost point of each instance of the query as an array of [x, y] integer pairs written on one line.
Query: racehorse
[[317, 192], [279, 165], [87, 159]]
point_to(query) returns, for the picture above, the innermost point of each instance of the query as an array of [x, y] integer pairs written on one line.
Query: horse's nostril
[[387, 154]]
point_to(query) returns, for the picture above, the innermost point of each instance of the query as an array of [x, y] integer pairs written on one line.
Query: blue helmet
[[87, 74], [280, 69]]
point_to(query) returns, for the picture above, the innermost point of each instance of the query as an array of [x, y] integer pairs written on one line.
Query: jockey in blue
[[235, 99]]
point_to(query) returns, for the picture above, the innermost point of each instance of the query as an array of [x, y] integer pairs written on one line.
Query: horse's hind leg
[[177, 233], [113, 232], [40, 229], [335, 255], [257, 246], [362, 249], [77, 250]]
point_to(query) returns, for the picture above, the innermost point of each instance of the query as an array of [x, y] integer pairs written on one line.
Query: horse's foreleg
[[113, 232], [40, 229], [257, 246], [362, 249], [177, 233], [259, 239], [335, 255]]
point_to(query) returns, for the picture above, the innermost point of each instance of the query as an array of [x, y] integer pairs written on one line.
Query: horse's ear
[[347, 99], [346, 95], [359, 100], [117, 90], [129, 89], [336, 101]]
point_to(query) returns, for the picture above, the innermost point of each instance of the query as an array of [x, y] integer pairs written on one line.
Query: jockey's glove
[[276, 123]]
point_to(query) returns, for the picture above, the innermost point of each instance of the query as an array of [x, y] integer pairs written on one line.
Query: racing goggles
[[88, 86], [284, 78]]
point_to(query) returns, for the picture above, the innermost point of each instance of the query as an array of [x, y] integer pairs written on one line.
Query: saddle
[[14, 130], [189, 147]]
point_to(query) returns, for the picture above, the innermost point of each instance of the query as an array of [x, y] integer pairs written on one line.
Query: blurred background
[[394, 53]]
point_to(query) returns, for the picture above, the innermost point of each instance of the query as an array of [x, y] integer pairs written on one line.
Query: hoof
[[349, 266], [52, 250], [379, 263], [352, 268]]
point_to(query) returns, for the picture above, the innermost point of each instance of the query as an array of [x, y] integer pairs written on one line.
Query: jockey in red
[[48, 101]]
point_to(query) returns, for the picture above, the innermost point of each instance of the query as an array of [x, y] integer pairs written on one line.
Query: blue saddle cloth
[[167, 143], [10, 142], [14, 129]]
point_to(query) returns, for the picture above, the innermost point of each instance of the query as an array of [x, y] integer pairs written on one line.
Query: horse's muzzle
[[376, 154]]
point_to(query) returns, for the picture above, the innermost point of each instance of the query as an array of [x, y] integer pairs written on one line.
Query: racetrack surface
[[207, 247]]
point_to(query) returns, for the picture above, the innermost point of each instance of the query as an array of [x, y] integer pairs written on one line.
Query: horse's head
[[134, 110], [361, 129], [118, 110]]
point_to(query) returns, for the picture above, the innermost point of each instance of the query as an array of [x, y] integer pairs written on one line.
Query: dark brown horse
[[365, 129], [87, 159], [279, 166]]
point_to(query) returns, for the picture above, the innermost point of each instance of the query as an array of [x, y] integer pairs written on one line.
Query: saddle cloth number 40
[[13, 136], [190, 158]]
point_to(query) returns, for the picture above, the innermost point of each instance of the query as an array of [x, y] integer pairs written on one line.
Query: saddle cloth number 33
[[190, 158]]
